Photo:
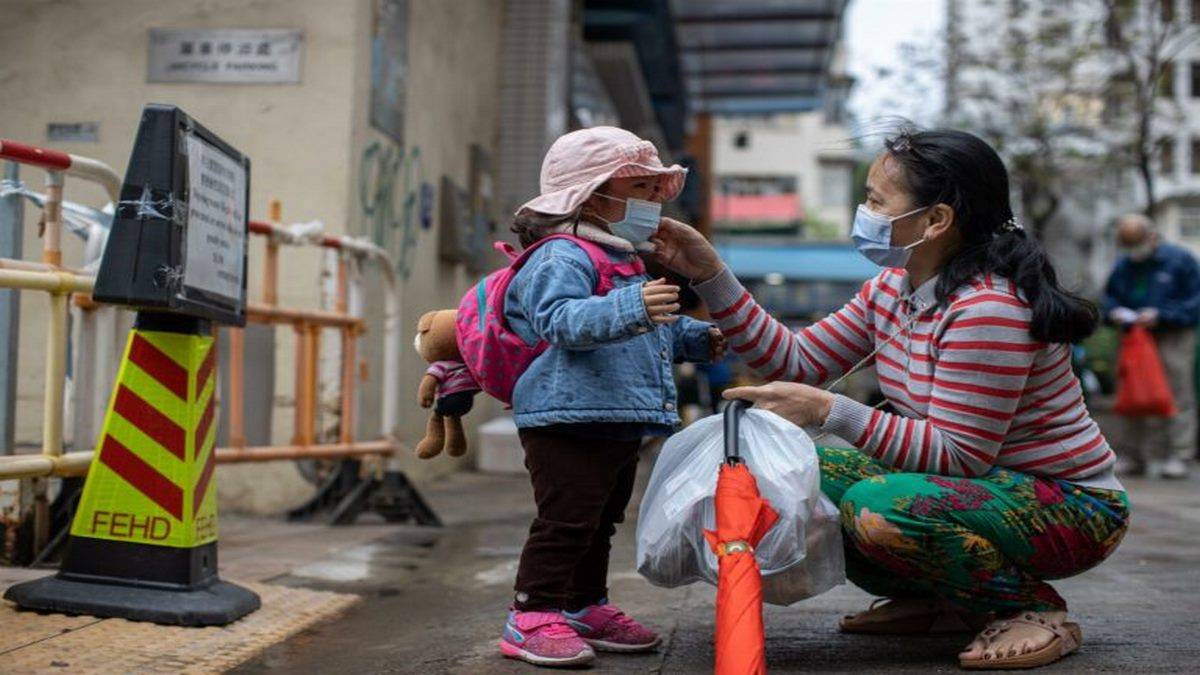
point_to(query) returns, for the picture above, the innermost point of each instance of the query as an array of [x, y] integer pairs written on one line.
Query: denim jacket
[[607, 362]]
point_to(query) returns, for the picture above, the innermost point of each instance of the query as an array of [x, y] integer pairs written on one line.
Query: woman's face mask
[[872, 234], [641, 220]]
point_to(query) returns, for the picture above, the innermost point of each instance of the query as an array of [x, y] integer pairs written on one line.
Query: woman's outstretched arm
[[816, 354]]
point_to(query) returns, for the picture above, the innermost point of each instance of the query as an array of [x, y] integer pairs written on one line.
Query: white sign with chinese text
[[232, 55], [216, 224]]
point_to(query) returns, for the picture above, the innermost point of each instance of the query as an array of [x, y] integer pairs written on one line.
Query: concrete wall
[[311, 145], [453, 101]]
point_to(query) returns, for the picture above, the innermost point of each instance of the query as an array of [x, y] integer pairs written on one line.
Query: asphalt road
[[435, 602]]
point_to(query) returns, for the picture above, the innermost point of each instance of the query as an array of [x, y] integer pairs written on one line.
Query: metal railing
[[61, 283]]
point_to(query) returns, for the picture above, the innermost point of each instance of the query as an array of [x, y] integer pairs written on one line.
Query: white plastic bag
[[800, 557]]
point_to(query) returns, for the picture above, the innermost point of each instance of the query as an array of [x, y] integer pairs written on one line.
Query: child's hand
[[662, 301], [716, 344]]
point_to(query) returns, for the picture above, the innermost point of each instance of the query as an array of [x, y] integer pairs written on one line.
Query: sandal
[[1007, 643], [912, 616]]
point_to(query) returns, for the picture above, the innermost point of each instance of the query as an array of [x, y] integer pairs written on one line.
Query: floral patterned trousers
[[987, 544]]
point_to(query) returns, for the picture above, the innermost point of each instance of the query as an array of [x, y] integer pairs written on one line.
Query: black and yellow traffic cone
[[143, 543]]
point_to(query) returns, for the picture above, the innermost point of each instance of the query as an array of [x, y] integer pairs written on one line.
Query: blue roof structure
[[837, 262]]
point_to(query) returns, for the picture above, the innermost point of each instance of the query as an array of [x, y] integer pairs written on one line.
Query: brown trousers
[[582, 483]]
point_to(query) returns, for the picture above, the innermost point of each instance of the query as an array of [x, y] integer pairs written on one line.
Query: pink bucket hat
[[579, 162]]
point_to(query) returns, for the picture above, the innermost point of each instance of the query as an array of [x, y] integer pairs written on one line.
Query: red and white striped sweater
[[973, 387]]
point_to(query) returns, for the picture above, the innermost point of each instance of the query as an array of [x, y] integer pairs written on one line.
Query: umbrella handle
[[733, 417]]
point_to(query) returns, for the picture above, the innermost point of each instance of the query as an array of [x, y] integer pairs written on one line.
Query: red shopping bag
[[1142, 389]]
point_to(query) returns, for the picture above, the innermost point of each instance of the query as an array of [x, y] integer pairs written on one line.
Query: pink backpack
[[494, 354]]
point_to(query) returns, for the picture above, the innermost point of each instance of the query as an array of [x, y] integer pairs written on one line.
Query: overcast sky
[[875, 29]]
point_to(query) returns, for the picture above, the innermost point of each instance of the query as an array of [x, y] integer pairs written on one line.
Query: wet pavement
[[434, 601]]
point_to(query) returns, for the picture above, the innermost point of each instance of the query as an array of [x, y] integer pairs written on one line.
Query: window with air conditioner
[[1189, 221], [835, 184], [1166, 157], [1166, 83]]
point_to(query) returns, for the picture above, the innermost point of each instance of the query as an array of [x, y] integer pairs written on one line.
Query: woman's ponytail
[[1058, 314]]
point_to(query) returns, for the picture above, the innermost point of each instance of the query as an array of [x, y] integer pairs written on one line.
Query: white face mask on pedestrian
[[872, 235], [641, 221], [1142, 252]]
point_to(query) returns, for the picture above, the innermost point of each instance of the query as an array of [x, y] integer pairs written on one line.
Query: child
[[605, 382]]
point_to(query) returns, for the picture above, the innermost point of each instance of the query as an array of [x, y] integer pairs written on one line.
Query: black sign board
[[179, 237]]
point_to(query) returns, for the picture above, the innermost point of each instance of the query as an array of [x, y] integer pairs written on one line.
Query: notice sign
[[216, 224], [233, 55]]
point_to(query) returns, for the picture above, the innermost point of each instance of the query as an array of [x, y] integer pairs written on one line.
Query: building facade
[[783, 173], [398, 111], [1096, 190], [1178, 208], [765, 82], [390, 97]]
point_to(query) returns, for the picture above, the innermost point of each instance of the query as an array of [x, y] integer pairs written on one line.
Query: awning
[[780, 208], [757, 56], [647, 26], [838, 262]]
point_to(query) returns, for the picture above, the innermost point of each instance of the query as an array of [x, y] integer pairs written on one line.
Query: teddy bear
[[447, 386]]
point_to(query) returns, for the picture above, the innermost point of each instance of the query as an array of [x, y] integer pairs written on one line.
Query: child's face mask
[[641, 220]]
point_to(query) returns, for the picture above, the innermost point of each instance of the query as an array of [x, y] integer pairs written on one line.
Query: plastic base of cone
[[217, 604]]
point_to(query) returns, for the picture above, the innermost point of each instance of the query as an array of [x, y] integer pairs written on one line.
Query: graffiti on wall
[[394, 200]]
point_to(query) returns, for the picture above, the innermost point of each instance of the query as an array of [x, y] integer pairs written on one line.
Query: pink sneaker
[[543, 639], [608, 629]]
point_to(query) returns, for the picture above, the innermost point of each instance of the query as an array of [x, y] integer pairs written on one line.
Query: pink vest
[[495, 355]]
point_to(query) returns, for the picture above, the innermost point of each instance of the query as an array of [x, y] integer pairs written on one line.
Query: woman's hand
[[799, 404], [683, 250], [662, 301]]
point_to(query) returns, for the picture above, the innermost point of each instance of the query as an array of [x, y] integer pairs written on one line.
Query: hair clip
[[1011, 225], [902, 143]]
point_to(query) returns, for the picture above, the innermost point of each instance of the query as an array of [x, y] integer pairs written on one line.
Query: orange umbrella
[[743, 519]]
